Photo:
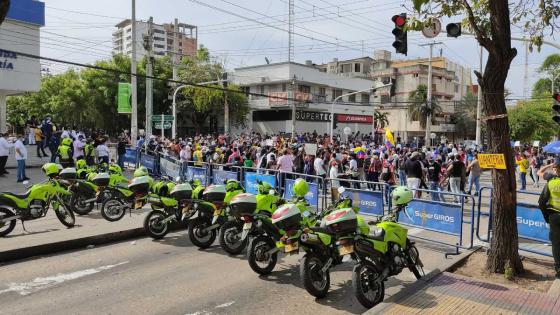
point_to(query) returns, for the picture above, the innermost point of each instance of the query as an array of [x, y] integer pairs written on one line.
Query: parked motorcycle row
[[264, 225]]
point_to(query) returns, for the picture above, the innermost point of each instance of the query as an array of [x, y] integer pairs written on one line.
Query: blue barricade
[[369, 202], [149, 162], [252, 178], [531, 224], [312, 197], [131, 156], [198, 173], [169, 167], [219, 176], [434, 216]]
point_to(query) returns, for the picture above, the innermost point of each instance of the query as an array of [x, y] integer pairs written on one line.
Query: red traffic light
[[399, 20], [556, 97]]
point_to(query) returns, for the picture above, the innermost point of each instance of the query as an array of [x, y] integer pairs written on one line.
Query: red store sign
[[360, 119]]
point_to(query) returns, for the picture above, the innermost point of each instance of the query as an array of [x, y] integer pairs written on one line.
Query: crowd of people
[[358, 162]]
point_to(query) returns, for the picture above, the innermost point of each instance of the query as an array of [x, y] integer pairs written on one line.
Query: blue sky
[[326, 29]]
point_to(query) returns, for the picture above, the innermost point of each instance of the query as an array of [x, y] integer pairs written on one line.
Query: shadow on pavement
[[30, 233]]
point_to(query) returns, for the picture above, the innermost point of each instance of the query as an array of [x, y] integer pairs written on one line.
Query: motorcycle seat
[[18, 196], [378, 235]]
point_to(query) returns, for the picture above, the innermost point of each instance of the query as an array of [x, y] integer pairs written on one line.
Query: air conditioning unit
[[263, 79]]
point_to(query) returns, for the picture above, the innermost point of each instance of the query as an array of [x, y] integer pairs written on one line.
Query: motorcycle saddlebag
[[243, 204], [101, 179], [140, 185], [182, 192], [83, 188], [68, 173], [214, 193]]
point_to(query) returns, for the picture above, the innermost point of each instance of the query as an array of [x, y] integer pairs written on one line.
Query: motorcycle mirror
[[272, 192], [341, 190], [178, 179]]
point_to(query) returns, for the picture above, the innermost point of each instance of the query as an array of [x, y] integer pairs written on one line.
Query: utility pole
[[175, 61], [429, 96], [290, 59], [293, 103], [226, 105], [148, 44], [134, 111], [479, 103]]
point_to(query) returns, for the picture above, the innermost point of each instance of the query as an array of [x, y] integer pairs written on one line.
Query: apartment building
[[163, 39]]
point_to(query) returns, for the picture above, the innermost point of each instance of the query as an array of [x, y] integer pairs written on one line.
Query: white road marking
[[225, 304], [41, 283]]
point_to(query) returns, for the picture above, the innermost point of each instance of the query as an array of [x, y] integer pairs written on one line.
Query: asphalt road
[[171, 277]]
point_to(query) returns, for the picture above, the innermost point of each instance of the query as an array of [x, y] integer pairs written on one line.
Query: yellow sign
[[497, 161]]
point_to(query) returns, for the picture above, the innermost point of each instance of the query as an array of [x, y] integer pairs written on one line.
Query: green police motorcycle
[[211, 212], [35, 202], [244, 209], [384, 252], [171, 203], [123, 195]]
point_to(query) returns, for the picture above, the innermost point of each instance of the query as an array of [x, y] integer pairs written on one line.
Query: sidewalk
[[448, 293]]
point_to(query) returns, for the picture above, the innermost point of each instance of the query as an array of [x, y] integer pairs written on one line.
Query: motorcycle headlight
[[195, 206]]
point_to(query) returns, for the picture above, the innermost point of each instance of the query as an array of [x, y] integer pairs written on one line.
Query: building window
[[352, 98], [158, 38], [159, 31], [304, 88], [456, 88], [180, 43], [357, 67], [336, 93], [385, 99], [159, 46], [180, 51], [128, 37], [433, 86], [346, 68], [416, 75], [284, 87], [322, 91], [365, 99], [261, 89], [128, 45], [129, 30]]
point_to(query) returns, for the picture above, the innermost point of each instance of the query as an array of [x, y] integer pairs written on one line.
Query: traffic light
[[556, 107], [453, 30], [399, 31]]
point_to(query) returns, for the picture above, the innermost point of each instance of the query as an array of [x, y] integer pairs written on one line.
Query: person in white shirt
[[21, 156], [333, 173], [102, 153], [4, 152], [79, 148]]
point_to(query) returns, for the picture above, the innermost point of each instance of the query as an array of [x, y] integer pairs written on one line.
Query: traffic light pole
[[429, 96], [134, 101], [149, 82]]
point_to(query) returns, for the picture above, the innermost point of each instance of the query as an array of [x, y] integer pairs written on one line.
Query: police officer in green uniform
[[88, 151], [549, 203], [65, 153]]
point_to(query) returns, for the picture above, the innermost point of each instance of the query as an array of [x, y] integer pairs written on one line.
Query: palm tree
[[419, 110], [381, 119]]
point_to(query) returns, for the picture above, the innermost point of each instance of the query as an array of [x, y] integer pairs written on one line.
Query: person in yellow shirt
[[523, 163], [197, 156], [40, 141]]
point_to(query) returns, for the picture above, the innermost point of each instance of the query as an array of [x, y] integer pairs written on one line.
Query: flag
[[390, 141]]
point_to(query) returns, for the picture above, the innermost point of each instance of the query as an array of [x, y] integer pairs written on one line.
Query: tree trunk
[[4, 7], [503, 253]]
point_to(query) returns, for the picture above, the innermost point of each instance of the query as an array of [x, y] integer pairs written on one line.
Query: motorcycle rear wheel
[[6, 227], [198, 236], [314, 280], [368, 289], [153, 226], [229, 240], [65, 215], [258, 255], [80, 207], [113, 209]]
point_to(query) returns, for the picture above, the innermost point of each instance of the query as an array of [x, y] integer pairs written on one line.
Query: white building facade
[[20, 72]]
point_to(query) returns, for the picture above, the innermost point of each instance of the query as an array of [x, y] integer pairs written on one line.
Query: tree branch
[[480, 36]]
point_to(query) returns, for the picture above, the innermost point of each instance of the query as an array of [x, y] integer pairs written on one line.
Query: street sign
[[433, 30], [165, 118], [166, 125], [497, 161]]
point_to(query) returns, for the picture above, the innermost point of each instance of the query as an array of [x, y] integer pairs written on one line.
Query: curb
[[382, 307], [75, 244]]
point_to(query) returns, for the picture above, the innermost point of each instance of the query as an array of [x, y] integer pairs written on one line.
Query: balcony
[[280, 99]]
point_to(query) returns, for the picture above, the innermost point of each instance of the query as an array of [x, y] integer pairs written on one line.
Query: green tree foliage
[[419, 110], [381, 119], [464, 117], [549, 69], [526, 115]]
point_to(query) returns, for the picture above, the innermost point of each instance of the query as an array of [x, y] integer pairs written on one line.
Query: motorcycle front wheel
[[230, 239], [260, 260], [367, 287], [65, 215], [415, 265], [113, 209], [154, 226], [80, 206], [314, 280], [197, 234], [6, 227]]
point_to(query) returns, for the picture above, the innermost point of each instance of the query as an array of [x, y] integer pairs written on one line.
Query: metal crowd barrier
[[369, 202], [531, 225], [440, 217], [317, 188]]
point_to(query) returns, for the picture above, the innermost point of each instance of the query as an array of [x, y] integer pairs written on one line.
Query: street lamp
[[373, 88], [174, 127]]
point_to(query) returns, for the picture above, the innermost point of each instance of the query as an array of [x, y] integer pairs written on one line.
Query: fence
[[532, 229], [369, 202]]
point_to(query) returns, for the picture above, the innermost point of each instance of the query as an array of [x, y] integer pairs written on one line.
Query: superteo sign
[[359, 119]]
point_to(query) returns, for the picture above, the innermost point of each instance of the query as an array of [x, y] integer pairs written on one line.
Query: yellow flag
[[390, 139]]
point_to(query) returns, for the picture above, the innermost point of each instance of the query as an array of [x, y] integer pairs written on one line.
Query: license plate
[[138, 204], [345, 249], [279, 244], [217, 212], [291, 247], [247, 226]]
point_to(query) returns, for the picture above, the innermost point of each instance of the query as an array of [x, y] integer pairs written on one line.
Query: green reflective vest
[[554, 189], [64, 152], [88, 150]]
